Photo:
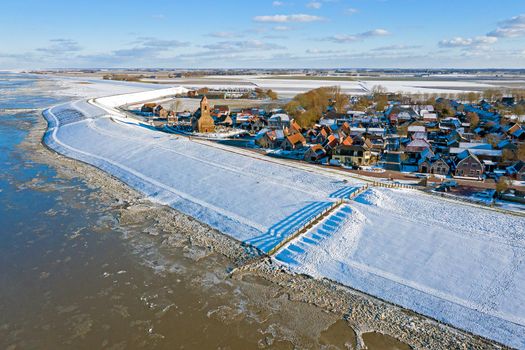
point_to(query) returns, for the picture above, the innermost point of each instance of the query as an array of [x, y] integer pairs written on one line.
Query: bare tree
[[503, 184], [473, 119], [272, 94]]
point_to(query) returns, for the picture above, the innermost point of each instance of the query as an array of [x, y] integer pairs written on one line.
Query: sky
[[39, 34]]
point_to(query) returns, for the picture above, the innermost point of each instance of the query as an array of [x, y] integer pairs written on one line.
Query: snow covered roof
[[430, 116], [476, 151], [261, 133], [284, 117], [479, 145], [279, 134], [416, 128], [418, 143]]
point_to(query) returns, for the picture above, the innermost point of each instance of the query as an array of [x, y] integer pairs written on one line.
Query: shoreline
[[363, 312]]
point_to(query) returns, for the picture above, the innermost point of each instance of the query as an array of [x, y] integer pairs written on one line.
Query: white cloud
[[60, 46], [510, 28], [223, 34], [468, 42], [242, 45], [396, 47], [348, 38], [282, 28], [314, 5], [375, 32], [322, 52], [350, 11], [288, 18], [277, 3]]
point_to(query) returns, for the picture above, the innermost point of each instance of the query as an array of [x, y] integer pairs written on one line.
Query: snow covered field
[[461, 265], [284, 87], [91, 87], [294, 86]]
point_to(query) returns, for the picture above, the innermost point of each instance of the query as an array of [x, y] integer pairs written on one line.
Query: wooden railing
[[392, 185], [307, 226]]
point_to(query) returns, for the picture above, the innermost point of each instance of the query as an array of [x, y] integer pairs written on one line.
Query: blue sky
[[262, 33]]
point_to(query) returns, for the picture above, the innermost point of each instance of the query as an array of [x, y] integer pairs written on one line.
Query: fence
[[392, 185], [359, 191]]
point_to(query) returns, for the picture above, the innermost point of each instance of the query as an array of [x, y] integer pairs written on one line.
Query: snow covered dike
[[459, 264], [242, 196]]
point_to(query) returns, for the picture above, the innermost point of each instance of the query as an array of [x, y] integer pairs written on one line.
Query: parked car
[[450, 183], [486, 194]]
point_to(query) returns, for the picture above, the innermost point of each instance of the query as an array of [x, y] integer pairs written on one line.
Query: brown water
[[378, 341], [73, 277]]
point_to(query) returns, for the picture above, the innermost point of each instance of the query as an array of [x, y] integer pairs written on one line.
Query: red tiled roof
[[296, 138]]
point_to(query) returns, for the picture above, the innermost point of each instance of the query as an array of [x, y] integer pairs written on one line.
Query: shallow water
[[72, 276]]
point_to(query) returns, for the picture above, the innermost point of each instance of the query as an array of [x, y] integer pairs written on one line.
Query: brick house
[[315, 153], [438, 166], [468, 165]]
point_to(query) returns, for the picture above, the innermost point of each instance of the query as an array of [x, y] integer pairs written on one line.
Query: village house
[[468, 165], [517, 170], [430, 117], [148, 107], [221, 115], [347, 141], [322, 135], [315, 153], [293, 141], [242, 117], [398, 114], [417, 132], [354, 155], [254, 124], [294, 127], [164, 113], [330, 143], [435, 166], [221, 110], [279, 121], [515, 131], [269, 138], [416, 152], [334, 118]]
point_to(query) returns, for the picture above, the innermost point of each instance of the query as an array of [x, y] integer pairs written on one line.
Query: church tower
[[205, 122]]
